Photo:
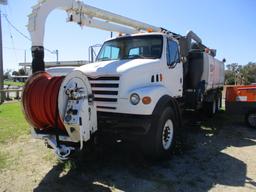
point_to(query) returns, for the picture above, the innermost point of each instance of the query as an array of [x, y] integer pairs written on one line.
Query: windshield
[[136, 47]]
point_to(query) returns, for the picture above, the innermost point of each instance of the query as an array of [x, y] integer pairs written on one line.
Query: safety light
[[146, 100], [161, 77], [149, 30]]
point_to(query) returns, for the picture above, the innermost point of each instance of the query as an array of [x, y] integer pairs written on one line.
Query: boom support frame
[[85, 15]]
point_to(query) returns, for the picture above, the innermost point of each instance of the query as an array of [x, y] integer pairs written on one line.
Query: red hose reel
[[40, 101]]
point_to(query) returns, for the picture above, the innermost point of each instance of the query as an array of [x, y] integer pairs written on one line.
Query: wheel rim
[[213, 107], [219, 104], [167, 134], [220, 100], [252, 119]]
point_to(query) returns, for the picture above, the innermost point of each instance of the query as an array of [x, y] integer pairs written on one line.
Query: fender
[[167, 100]]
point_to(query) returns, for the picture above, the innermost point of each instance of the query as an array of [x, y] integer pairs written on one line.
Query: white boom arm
[[82, 14]]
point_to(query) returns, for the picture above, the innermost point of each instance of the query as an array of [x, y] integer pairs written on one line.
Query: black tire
[[220, 100], [154, 144], [210, 108], [250, 119], [218, 103]]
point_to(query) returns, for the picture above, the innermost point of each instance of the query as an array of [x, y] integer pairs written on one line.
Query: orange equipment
[[241, 100], [241, 93], [40, 101]]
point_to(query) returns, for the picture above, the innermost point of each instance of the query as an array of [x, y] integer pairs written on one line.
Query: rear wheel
[[218, 103], [250, 119], [210, 108], [159, 142]]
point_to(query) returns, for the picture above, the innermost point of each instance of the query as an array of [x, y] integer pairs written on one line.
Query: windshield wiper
[[104, 59], [133, 57]]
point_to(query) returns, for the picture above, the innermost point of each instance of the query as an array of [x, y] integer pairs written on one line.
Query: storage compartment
[[195, 69], [204, 68]]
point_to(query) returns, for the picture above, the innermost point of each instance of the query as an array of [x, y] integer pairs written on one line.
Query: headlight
[[135, 99]]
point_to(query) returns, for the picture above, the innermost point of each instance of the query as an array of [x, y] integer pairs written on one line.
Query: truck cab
[[131, 67]]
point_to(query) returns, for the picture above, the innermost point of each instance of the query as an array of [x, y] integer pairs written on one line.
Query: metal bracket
[[63, 152]]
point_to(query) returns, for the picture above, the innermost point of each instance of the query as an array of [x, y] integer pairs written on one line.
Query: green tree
[[232, 73], [238, 74], [15, 73], [22, 71], [249, 73], [7, 74]]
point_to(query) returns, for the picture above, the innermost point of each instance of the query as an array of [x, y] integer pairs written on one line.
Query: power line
[[17, 30], [26, 37], [13, 44], [17, 49]]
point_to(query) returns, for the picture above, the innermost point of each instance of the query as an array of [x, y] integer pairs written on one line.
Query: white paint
[[82, 14], [213, 72], [167, 134], [82, 124], [241, 98]]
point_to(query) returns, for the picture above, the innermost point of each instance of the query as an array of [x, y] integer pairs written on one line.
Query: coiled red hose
[[40, 101]]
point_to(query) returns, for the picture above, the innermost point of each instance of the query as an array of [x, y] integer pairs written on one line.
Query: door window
[[173, 56]]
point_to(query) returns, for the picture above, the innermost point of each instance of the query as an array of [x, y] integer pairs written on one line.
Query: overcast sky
[[226, 25]]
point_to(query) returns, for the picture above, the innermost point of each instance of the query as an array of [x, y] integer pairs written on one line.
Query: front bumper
[[125, 125], [111, 124]]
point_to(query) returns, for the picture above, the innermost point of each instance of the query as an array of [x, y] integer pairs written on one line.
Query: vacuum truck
[[139, 86]]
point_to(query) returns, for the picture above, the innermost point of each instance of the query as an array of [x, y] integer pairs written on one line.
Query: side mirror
[[178, 60], [224, 60]]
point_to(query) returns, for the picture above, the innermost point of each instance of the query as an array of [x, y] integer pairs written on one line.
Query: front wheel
[[159, 142], [167, 134]]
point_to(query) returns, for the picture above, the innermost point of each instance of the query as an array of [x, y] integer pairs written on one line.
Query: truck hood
[[107, 68]]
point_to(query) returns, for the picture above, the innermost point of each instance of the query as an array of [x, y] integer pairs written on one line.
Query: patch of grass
[[13, 83], [12, 122], [49, 156], [68, 165], [3, 160]]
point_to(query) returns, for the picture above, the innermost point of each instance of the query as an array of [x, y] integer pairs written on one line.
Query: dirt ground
[[218, 155]]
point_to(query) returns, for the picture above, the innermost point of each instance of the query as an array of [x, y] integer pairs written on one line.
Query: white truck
[[139, 86]]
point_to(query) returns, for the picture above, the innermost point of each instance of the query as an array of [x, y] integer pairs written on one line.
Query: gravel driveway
[[218, 155]]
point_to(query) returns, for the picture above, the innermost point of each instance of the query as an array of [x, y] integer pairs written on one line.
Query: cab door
[[174, 68]]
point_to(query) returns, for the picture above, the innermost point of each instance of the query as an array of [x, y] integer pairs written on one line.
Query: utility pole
[[57, 56], [2, 2], [25, 56], [25, 60]]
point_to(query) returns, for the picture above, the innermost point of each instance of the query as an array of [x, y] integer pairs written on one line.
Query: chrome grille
[[105, 90]]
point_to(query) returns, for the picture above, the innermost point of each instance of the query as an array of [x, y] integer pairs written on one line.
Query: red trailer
[[241, 100]]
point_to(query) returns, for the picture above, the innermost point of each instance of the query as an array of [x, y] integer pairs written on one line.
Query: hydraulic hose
[[40, 101]]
